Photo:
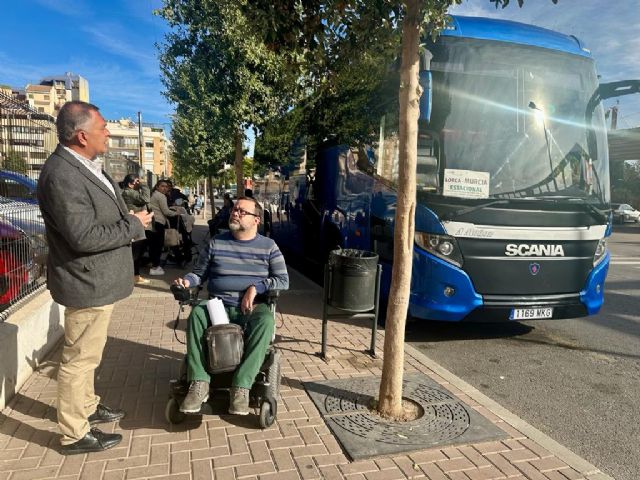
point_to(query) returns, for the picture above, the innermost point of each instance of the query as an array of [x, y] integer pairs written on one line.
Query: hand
[[183, 282], [144, 217], [246, 306]]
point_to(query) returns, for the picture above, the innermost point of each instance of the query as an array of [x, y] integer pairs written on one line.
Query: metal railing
[[23, 253]]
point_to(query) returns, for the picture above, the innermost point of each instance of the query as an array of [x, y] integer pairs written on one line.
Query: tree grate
[[345, 406]]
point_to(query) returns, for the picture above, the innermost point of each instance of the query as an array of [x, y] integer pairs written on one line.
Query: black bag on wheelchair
[[225, 346]]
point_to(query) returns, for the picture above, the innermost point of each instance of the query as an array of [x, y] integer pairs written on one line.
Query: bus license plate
[[530, 313]]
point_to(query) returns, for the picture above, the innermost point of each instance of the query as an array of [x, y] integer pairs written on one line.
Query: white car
[[623, 212]]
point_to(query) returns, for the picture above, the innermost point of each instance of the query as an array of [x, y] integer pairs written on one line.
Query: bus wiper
[[595, 213], [464, 211]]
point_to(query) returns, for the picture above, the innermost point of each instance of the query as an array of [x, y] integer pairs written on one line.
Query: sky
[[112, 43]]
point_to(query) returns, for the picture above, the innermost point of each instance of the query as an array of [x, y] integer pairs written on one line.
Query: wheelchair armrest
[[272, 296]]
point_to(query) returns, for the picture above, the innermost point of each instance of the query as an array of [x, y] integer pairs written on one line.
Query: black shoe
[[94, 441], [104, 414]]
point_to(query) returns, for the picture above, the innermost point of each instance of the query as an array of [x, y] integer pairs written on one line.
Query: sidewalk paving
[[143, 354]]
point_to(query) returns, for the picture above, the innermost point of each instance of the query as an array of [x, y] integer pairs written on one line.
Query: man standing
[[239, 265], [89, 266]]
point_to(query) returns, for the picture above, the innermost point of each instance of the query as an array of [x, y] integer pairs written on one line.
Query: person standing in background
[[89, 267], [161, 212], [136, 197]]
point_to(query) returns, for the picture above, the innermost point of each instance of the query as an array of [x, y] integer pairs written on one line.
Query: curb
[[563, 453]]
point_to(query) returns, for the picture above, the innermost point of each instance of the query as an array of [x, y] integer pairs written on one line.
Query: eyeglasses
[[242, 212]]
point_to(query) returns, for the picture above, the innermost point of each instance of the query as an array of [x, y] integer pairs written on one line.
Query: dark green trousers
[[259, 327]]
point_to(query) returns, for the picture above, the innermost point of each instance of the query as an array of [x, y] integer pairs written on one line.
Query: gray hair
[[72, 117]]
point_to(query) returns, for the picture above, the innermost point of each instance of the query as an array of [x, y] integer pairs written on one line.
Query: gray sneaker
[[239, 404], [198, 394]]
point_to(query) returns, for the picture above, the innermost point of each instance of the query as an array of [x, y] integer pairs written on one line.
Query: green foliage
[[353, 48], [15, 162], [625, 183], [221, 76]]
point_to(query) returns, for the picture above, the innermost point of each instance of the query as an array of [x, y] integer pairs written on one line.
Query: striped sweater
[[231, 266]]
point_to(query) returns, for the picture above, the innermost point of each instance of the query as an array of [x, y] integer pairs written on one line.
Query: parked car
[[18, 187], [23, 249], [232, 190], [623, 212]]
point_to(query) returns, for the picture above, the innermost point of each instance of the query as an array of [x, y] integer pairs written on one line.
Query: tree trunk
[[211, 197], [390, 400], [238, 163]]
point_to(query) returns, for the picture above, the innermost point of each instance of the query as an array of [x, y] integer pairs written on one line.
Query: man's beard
[[235, 227]]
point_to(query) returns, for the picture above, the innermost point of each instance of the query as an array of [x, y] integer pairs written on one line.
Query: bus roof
[[514, 32]]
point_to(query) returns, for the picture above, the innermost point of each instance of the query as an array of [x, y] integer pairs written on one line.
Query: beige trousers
[[85, 334]]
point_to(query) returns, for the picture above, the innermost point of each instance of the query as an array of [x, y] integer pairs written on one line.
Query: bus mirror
[[425, 99]]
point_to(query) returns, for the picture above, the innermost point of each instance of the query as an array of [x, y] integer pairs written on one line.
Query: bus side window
[[427, 175]]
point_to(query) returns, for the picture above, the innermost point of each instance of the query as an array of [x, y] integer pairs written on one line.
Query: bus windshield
[[514, 117]]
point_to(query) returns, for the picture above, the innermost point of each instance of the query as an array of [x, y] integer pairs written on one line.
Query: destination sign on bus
[[465, 183]]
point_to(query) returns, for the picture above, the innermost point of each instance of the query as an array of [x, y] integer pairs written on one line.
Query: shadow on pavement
[[431, 331]]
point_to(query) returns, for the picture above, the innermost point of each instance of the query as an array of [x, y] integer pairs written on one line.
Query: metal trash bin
[[353, 280]]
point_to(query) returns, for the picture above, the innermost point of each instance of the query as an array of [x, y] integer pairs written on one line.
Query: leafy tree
[[242, 63], [333, 35], [196, 151], [216, 65], [15, 162], [626, 183]]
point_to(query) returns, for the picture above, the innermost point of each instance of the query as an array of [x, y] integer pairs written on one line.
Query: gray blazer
[[89, 233]]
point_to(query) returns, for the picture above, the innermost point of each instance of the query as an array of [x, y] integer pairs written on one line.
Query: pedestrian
[[89, 267], [198, 204], [161, 215], [174, 193], [221, 218], [239, 265], [136, 197]]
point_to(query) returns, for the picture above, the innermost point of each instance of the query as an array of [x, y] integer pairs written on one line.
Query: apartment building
[[67, 87], [27, 136], [42, 98], [128, 153]]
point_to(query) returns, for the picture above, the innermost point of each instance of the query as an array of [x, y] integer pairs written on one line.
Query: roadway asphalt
[[576, 380]]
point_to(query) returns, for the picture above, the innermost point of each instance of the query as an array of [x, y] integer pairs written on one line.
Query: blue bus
[[513, 196]]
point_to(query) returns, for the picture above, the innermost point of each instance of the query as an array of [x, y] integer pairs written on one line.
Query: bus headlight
[[442, 246], [601, 249]]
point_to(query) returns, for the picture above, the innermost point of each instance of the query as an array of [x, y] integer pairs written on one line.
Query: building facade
[[27, 136], [130, 152]]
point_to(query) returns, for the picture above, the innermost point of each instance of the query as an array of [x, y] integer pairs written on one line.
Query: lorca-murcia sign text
[[465, 183]]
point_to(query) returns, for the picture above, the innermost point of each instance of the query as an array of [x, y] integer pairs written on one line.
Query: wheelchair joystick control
[[180, 293]]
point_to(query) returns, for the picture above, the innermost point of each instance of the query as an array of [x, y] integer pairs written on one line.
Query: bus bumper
[[593, 294], [442, 291]]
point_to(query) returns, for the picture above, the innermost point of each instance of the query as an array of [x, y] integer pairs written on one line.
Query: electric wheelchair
[[263, 395]]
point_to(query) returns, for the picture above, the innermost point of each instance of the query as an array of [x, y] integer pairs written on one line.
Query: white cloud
[[71, 8], [113, 39]]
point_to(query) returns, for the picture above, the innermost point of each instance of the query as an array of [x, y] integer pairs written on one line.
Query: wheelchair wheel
[[172, 412], [267, 417], [273, 390]]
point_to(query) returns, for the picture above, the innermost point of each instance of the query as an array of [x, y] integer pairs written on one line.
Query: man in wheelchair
[[238, 266]]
